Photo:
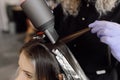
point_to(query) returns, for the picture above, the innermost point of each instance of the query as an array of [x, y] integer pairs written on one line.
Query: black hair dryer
[[41, 17]]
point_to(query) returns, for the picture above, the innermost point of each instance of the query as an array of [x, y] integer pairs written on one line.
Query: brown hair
[[46, 65]]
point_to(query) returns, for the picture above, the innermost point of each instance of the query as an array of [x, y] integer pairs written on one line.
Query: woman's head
[[36, 62]]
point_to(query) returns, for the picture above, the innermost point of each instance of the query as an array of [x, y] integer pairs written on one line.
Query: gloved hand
[[109, 33]]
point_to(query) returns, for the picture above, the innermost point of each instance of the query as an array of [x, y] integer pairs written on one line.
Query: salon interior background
[[13, 31], [10, 37]]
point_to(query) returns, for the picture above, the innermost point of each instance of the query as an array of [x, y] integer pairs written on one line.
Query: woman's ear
[[60, 76]]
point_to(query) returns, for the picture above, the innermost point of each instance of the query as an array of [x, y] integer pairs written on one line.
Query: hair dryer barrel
[[41, 17]]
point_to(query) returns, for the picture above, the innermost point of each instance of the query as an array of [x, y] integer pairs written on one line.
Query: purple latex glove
[[109, 33]]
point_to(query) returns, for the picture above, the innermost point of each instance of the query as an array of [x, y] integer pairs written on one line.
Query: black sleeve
[[58, 14]]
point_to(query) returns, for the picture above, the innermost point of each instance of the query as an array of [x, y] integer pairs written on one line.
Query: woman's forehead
[[26, 63]]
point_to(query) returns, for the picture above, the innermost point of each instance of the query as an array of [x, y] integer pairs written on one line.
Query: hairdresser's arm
[[109, 33]]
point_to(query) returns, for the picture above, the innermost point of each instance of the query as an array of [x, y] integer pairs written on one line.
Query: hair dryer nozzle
[[41, 17], [52, 35]]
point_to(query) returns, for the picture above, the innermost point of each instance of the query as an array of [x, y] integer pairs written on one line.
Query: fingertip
[[92, 24]]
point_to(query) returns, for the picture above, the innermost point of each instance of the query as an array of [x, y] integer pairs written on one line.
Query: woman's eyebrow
[[27, 72]]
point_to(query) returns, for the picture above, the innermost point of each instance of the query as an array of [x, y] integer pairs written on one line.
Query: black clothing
[[88, 50]]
